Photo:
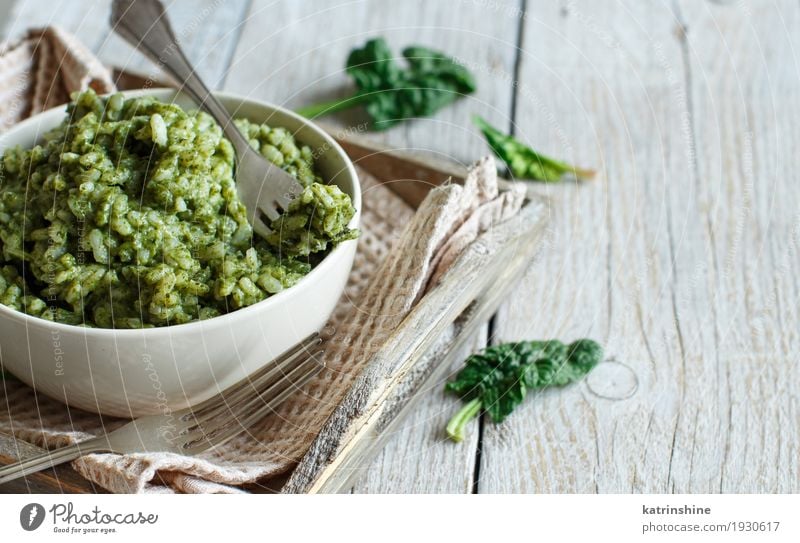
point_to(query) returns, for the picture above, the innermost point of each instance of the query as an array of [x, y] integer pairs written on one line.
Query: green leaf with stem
[[391, 93], [498, 379], [522, 161]]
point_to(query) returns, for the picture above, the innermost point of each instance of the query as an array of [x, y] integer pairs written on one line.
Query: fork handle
[[144, 24], [52, 458]]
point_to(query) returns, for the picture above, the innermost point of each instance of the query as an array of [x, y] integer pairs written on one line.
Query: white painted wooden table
[[680, 257]]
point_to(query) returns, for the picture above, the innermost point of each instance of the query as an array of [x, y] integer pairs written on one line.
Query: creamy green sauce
[[127, 216]]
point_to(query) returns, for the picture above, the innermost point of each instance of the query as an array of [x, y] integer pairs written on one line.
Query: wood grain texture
[[208, 31], [293, 54], [86, 19], [678, 259], [742, 73], [418, 457], [420, 351], [307, 44]]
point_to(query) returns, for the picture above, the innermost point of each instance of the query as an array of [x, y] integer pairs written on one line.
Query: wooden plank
[[279, 63], [87, 19], [419, 352], [417, 457], [596, 95], [208, 31], [6, 11], [298, 71], [743, 434], [666, 259]]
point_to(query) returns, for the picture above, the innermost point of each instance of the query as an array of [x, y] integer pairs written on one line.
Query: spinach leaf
[[392, 94], [498, 378], [522, 161]]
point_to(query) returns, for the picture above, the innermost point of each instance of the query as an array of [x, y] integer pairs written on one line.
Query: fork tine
[[260, 226], [269, 210], [255, 386], [214, 433], [313, 369], [289, 382], [272, 369], [208, 426], [271, 205], [286, 198]]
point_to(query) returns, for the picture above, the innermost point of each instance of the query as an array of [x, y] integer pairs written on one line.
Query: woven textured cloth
[[402, 253], [40, 71]]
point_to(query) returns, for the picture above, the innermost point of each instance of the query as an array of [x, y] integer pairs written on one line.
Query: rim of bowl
[[318, 270]]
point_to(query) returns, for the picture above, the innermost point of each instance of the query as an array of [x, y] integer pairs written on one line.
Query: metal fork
[[264, 188], [198, 428]]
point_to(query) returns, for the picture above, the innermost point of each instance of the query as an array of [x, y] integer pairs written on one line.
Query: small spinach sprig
[[522, 161], [390, 93], [497, 379]]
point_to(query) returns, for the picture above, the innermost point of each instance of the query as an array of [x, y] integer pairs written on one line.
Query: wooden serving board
[[420, 351], [414, 358]]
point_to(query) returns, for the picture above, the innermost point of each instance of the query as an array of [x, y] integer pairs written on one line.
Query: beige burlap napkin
[[402, 253], [40, 71]]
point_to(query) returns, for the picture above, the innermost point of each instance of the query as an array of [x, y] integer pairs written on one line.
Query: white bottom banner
[[370, 518]]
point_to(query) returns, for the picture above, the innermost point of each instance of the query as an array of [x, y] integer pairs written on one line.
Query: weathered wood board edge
[[415, 353]]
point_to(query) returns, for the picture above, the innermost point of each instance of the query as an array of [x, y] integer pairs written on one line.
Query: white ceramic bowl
[[131, 373]]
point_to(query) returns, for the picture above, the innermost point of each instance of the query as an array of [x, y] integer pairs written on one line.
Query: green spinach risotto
[[127, 216]]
